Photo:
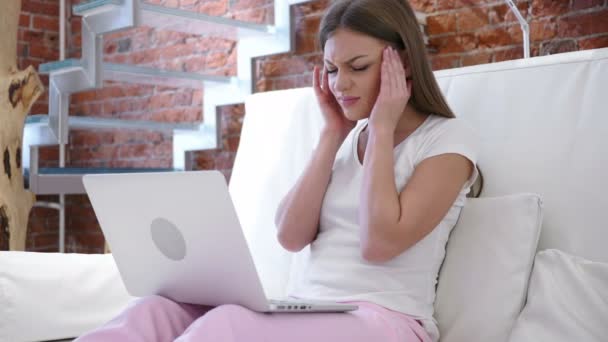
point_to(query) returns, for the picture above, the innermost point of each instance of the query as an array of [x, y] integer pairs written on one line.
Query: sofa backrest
[[544, 129]]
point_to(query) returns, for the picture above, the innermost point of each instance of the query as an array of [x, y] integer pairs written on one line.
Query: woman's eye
[[360, 69], [331, 71], [355, 69]]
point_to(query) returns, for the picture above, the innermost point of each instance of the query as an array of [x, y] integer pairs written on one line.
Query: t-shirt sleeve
[[452, 136]]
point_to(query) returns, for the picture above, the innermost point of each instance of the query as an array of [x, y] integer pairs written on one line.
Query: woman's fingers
[[325, 81]]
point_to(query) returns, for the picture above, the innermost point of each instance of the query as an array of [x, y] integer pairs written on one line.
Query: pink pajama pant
[[156, 318]]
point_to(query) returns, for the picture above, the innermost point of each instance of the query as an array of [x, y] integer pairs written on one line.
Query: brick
[[256, 16], [84, 96], [236, 5], [129, 136], [192, 114], [443, 5], [472, 19], [197, 97], [215, 60], [182, 98], [503, 13], [24, 20], [454, 43], [137, 89], [593, 43], [45, 240], [557, 46], [583, 25], [204, 160], [224, 160], [306, 44], [509, 54], [133, 151], [164, 149], [441, 24], [263, 84], [318, 7], [304, 80], [186, 4], [231, 144], [75, 25], [45, 23], [146, 56], [104, 152], [48, 153], [194, 64], [308, 26], [448, 62], [87, 109], [175, 51], [87, 138], [40, 7], [548, 8], [584, 4], [215, 8], [283, 83], [35, 37], [426, 6], [163, 38], [160, 101], [85, 242], [543, 29], [110, 92], [490, 38], [291, 66], [477, 58]]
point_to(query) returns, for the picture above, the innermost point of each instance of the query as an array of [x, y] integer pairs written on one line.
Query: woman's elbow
[[376, 253], [288, 243]]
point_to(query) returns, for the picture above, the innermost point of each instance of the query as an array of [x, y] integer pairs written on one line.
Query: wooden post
[[18, 91]]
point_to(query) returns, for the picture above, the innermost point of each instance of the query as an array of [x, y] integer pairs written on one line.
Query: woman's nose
[[342, 81]]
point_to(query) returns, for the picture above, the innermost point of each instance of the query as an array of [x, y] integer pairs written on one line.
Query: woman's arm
[[392, 222], [297, 217]]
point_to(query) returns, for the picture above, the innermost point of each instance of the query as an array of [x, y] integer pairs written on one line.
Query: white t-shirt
[[335, 269]]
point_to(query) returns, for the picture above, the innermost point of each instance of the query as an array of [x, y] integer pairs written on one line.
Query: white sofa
[[544, 156]]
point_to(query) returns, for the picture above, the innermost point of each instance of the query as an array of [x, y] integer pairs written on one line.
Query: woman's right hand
[[335, 120]]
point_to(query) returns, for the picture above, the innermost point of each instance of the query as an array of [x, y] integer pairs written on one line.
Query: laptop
[[177, 235]]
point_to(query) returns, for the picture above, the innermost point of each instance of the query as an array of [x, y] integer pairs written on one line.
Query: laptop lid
[[176, 234]]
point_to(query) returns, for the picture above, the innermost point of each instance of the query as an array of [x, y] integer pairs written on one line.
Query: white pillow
[[280, 132], [483, 281], [49, 296], [567, 300]]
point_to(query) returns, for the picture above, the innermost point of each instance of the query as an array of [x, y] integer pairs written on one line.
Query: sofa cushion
[[47, 296], [483, 280], [567, 300]]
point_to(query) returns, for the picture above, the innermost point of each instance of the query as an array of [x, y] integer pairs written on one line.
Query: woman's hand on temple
[[395, 92], [335, 120]]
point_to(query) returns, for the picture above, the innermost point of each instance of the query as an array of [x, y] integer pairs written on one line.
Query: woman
[[376, 202]]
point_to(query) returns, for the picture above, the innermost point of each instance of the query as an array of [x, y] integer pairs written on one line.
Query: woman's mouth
[[348, 101]]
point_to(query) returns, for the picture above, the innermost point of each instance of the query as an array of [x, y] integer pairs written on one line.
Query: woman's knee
[[153, 303]]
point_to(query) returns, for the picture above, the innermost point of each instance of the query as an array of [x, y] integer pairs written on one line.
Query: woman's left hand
[[395, 92]]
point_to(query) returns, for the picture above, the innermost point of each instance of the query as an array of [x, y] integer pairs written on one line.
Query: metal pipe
[[525, 28], [61, 203], [62, 26]]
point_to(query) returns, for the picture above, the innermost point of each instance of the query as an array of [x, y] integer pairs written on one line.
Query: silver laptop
[[176, 234]]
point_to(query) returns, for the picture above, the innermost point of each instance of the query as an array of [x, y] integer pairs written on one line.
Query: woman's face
[[353, 61]]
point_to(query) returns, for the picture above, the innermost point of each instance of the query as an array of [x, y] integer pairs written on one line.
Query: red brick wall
[[38, 42], [467, 32], [461, 32]]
